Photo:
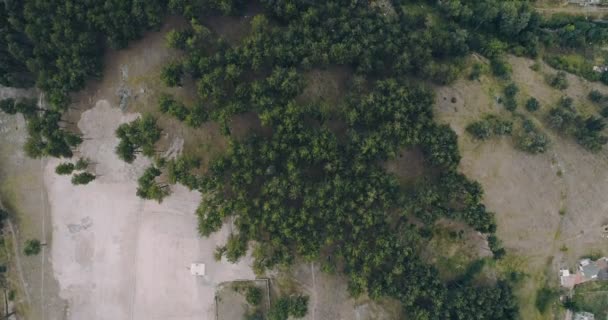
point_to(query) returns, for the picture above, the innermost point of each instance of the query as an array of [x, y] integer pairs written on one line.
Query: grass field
[[592, 297]]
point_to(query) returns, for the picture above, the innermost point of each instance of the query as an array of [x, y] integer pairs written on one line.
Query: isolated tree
[[126, 151], [559, 81], [511, 90], [149, 188], [82, 164], [32, 247], [595, 96], [172, 74], [501, 68], [140, 135], [172, 107], [476, 71], [8, 106], [253, 295], [480, 130], [64, 168], [82, 178], [532, 104]]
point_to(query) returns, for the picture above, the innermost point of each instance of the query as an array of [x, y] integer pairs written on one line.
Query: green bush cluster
[[139, 135], [67, 168], [45, 136], [532, 104], [531, 139], [510, 100], [193, 117], [490, 125], [558, 81], [286, 307], [587, 130]]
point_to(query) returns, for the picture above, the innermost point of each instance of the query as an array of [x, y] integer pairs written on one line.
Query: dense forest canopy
[[304, 188]]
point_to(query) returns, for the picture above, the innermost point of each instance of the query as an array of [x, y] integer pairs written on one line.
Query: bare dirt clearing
[[119, 257], [526, 191]]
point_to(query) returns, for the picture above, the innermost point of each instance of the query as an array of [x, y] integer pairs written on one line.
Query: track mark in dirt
[[18, 261], [314, 291], [43, 212]]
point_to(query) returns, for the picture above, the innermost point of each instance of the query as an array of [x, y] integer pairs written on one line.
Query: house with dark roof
[[588, 270], [594, 270]]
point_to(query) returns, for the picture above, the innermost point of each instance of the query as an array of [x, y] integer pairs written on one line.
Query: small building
[[197, 269], [600, 69], [588, 270], [584, 316], [594, 270], [584, 3]]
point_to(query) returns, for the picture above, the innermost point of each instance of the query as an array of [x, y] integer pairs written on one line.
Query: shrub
[[532, 105], [32, 247], [298, 306], [531, 139], [559, 81], [169, 105], [488, 126], [587, 130], [545, 297], [284, 307], [82, 178], [604, 77], [496, 247], [575, 64], [500, 68], [604, 112], [172, 74], [595, 96], [479, 130], [253, 295], [510, 104], [255, 315], [82, 164], [535, 66], [279, 310], [476, 71], [139, 135], [511, 90], [64, 168]]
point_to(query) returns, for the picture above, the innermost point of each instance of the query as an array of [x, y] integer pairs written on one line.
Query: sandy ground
[[116, 256], [22, 192]]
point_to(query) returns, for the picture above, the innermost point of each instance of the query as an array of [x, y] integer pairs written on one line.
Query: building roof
[[590, 271], [603, 275], [197, 269], [584, 316]]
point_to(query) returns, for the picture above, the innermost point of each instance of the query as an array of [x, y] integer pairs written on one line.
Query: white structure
[[584, 3], [584, 316], [564, 276], [197, 269], [600, 69]]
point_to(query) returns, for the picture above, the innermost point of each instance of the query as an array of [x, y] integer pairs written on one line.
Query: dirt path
[[43, 214], [314, 292], [18, 262]]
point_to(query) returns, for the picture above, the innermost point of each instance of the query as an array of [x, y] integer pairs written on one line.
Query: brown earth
[[526, 191]]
